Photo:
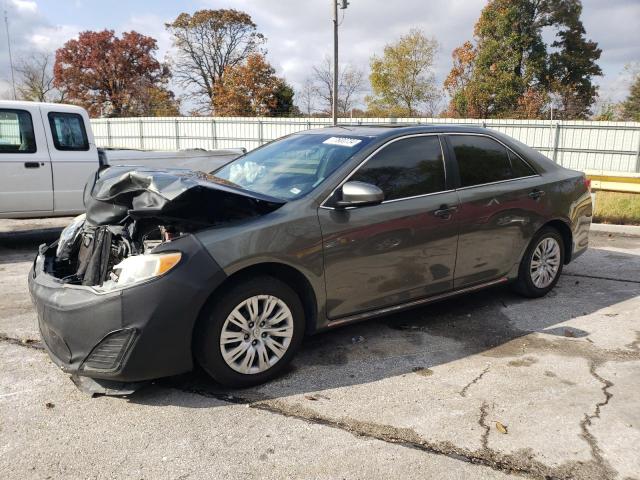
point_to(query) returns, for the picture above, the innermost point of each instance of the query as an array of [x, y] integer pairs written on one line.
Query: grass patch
[[618, 208]]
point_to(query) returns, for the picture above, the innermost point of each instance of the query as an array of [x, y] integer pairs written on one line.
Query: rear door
[[497, 207], [74, 156], [25, 167], [402, 249]]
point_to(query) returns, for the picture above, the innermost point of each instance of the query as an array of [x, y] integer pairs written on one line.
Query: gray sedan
[[309, 232]]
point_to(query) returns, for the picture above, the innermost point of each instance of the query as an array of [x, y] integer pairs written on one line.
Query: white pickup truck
[[47, 153]]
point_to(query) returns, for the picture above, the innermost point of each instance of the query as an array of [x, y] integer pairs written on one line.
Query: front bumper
[[138, 333]]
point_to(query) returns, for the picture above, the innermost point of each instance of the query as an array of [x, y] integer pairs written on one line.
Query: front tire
[[251, 332], [541, 265]]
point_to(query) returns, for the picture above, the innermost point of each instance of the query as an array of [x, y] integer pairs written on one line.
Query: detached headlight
[[68, 237], [141, 267]]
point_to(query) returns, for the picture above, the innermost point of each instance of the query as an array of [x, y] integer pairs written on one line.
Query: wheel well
[[567, 237], [289, 275]]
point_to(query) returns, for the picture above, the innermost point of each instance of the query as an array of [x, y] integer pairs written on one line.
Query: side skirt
[[415, 303]]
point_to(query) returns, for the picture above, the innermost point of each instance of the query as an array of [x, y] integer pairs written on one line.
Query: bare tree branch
[[35, 79], [207, 43]]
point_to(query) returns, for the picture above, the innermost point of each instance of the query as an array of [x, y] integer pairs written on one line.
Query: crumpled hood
[[176, 195]]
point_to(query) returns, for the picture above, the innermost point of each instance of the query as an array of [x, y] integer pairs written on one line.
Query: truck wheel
[[541, 265], [251, 332]]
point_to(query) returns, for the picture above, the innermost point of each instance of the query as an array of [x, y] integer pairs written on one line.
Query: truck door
[[73, 152], [25, 166]]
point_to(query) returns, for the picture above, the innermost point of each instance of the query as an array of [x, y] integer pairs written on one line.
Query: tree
[[458, 83], [113, 76], [208, 43], [35, 79], [573, 65], [252, 89], [350, 83], [511, 72], [306, 97], [511, 56], [631, 106], [608, 111], [402, 80], [155, 101]]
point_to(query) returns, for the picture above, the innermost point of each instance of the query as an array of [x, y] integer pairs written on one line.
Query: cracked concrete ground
[[489, 385]]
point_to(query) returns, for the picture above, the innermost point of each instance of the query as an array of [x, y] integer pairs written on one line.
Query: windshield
[[291, 167]]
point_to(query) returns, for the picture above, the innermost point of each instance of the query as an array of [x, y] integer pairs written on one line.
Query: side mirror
[[359, 194]]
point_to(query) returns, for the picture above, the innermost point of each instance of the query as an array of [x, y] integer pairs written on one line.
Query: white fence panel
[[582, 145]]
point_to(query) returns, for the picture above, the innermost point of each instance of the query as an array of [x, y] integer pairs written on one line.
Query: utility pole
[[334, 94], [13, 78]]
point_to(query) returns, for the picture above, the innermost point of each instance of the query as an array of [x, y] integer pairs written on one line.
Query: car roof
[[382, 130]]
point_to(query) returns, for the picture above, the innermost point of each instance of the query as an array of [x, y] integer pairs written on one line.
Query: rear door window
[[68, 131], [520, 167], [406, 168], [480, 160], [16, 132]]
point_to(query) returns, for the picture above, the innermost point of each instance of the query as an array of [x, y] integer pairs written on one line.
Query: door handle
[[32, 164], [445, 211], [536, 194]]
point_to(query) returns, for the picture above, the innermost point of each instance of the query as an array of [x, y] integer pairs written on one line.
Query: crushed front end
[[118, 295]]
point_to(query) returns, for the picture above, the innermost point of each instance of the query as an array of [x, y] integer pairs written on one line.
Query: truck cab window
[[68, 131], [16, 132]]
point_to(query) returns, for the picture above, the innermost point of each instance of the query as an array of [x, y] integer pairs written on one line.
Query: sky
[[299, 32]]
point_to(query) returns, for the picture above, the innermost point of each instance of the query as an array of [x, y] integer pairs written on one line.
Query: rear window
[[480, 160], [68, 131], [520, 167], [16, 132]]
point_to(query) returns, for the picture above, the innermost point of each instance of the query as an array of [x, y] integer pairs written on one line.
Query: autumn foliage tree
[[402, 79], [252, 89], [208, 43], [114, 76]]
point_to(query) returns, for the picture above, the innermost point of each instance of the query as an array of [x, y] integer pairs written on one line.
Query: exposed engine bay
[[130, 211]]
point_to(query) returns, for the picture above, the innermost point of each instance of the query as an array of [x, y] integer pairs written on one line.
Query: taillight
[[587, 183]]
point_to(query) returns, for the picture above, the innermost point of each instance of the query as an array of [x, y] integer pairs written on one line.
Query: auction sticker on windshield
[[342, 141]]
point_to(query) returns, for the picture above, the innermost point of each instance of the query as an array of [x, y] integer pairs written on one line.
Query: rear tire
[[541, 265], [250, 333]]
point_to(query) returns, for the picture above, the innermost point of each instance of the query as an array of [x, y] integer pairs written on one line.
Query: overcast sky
[[299, 32]]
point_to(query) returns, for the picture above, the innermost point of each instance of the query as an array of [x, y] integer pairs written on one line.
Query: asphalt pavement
[[489, 385]]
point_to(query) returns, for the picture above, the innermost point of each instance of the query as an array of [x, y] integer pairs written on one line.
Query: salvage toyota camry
[[312, 231]]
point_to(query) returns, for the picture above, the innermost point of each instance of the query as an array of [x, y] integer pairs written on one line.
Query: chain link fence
[[581, 145]]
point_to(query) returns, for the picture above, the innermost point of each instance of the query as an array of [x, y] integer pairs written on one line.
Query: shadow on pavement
[[492, 323]]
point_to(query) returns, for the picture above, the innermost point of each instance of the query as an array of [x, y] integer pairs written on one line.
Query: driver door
[[402, 249]]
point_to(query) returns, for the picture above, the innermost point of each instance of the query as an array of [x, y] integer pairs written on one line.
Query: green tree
[[402, 80], [572, 65], [508, 72], [511, 56], [631, 106]]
